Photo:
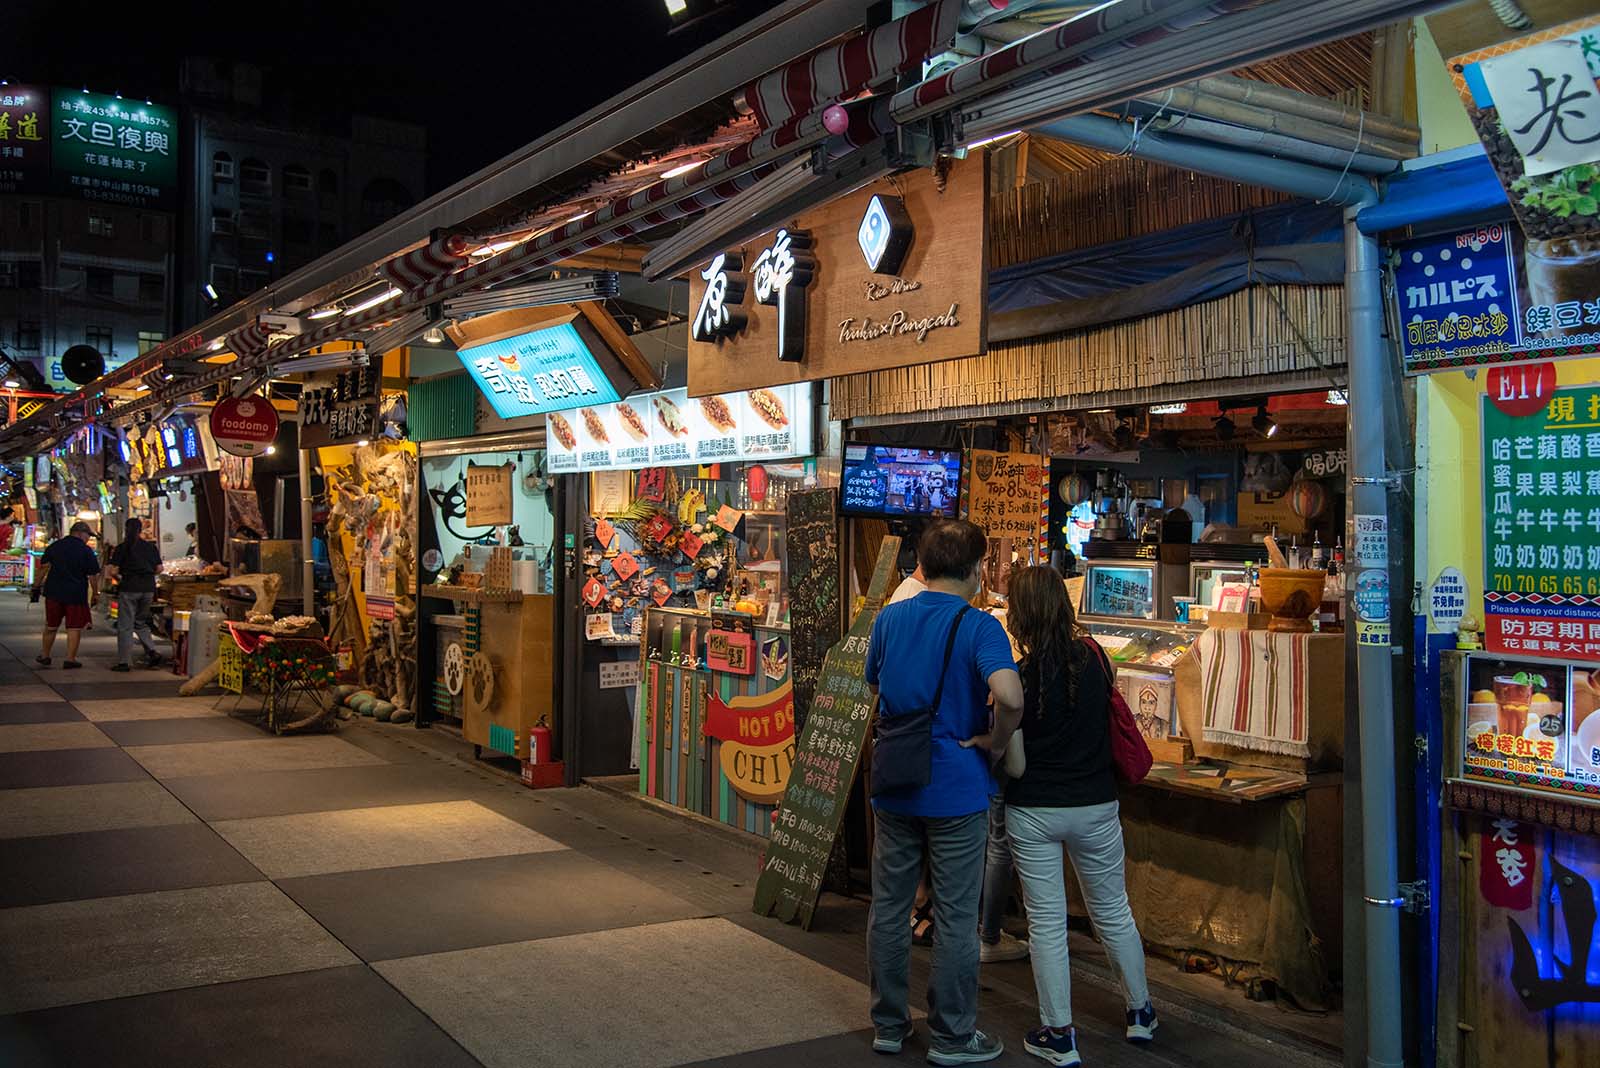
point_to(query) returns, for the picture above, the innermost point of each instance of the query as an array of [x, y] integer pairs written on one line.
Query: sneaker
[[71, 664], [888, 1043], [42, 660], [1058, 1045], [120, 667], [977, 1049], [154, 660], [1142, 1023], [1007, 948]]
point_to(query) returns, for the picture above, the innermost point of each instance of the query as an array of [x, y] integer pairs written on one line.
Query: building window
[[327, 183], [152, 289], [296, 180], [99, 281], [102, 226], [149, 339], [27, 335], [221, 221], [8, 275], [224, 277], [99, 338], [30, 274], [255, 177], [221, 173], [250, 281], [298, 231]]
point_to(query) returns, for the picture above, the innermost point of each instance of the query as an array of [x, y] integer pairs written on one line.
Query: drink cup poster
[[1531, 724], [1541, 507]]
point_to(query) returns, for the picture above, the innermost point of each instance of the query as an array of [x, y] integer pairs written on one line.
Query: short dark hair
[[950, 548], [80, 527]]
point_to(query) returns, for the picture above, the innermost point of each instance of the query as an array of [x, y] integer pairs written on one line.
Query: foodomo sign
[[244, 426]]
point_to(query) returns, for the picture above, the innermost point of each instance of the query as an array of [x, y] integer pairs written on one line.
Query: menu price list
[[825, 765], [1532, 724], [812, 551]]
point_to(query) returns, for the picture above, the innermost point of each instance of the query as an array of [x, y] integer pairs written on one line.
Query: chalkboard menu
[[866, 489], [824, 766], [813, 559]]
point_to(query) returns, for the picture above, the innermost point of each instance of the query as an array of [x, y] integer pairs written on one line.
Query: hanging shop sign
[[824, 766], [889, 276], [114, 151], [489, 494], [1532, 100], [244, 426], [1541, 507], [1531, 724], [1460, 300], [1004, 492], [671, 428], [530, 361], [24, 139], [339, 409]]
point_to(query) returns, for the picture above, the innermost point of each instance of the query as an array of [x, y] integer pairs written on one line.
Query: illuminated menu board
[[1532, 724]]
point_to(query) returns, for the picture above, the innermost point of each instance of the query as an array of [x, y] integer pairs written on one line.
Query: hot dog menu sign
[[671, 428]]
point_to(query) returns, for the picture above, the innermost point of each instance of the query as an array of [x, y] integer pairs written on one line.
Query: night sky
[[483, 78]]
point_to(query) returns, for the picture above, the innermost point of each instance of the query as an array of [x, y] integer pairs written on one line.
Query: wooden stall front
[[502, 683]]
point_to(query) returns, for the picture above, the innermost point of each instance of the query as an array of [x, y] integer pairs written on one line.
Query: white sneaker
[[1008, 948]]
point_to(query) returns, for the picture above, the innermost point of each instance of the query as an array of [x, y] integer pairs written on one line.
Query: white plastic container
[[205, 623]]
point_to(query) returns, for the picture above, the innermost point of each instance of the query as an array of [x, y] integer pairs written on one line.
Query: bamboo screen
[[1237, 336], [1119, 198]]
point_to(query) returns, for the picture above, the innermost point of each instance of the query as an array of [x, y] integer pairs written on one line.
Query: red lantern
[[756, 481]]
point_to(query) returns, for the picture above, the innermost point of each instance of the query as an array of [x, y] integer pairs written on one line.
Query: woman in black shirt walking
[[1067, 796]]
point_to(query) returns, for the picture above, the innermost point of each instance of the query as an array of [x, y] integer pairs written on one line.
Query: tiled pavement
[[178, 887]]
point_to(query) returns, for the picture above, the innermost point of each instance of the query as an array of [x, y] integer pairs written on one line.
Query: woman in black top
[[1067, 796]]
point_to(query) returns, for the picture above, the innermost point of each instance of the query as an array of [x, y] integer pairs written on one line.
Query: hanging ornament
[[756, 481], [1308, 498]]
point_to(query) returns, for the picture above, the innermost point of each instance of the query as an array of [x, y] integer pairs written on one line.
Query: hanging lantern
[[756, 481], [1074, 489], [1308, 498]]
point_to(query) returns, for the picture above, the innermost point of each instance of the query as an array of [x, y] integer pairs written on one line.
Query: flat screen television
[[887, 480]]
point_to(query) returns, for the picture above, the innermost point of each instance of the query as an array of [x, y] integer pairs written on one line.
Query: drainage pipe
[[1372, 381], [1276, 144]]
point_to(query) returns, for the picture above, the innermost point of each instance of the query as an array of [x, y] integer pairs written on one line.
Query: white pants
[[1092, 835]]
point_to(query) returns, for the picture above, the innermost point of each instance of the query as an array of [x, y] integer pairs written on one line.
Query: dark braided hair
[[1040, 617]]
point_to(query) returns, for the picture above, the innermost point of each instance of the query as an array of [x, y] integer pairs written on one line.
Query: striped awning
[[248, 340], [422, 265], [839, 71]]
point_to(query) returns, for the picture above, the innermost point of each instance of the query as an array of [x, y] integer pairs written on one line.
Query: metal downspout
[[1370, 391]]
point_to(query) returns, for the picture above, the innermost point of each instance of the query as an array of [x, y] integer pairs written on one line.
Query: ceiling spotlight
[[433, 336], [271, 449], [210, 290], [1264, 424], [12, 383], [1224, 428], [677, 7]]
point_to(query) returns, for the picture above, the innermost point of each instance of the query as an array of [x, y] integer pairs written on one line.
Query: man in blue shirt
[[948, 818], [72, 571]]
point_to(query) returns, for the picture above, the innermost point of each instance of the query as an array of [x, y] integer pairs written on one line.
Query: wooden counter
[[517, 633]]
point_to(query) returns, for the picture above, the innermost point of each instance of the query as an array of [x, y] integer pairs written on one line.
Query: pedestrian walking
[[1067, 796], [70, 581], [935, 664], [135, 564]]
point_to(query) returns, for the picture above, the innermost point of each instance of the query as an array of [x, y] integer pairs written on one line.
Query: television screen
[[885, 480]]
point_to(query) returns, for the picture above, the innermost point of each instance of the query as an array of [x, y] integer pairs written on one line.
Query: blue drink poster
[[548, 370], [1458, 301]]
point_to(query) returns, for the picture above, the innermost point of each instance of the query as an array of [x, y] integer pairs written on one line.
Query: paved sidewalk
[[180, 888]]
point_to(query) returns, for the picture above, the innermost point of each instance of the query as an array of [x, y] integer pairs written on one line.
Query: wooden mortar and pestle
[[1290, 594]]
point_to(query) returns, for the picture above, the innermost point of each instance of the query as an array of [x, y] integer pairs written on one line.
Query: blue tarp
[[1138, 261], [1457, 193]]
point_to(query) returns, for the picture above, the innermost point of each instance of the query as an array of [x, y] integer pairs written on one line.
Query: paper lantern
[[1075, 489], [1308, 498], [756, 481]]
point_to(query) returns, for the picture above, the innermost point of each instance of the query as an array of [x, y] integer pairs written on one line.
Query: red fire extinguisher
[[541, 746]]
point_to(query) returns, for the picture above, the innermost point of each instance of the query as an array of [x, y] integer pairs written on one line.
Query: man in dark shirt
[[135, 564], [71, 584]]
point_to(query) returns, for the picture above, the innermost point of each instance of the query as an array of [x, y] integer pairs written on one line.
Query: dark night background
[[483, 78]]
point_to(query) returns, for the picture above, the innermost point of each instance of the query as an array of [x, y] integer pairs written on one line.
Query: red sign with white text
[[244, 426], [1508, 864], [1522, 389]]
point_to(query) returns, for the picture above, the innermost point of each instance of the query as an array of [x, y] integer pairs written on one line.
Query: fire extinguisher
[[541, 746]]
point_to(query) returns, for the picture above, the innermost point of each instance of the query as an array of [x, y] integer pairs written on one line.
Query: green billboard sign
[[113, 150]]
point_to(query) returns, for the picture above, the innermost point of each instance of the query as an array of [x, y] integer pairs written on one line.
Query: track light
[[1224, 428], [1264, 423], [433, 336]]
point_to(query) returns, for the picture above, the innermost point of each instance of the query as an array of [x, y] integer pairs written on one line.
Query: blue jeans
[[998, 873], [1092, 835], [954, 846]]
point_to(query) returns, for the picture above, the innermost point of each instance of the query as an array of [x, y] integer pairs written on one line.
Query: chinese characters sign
[[1541, 506], [1004, 494], [1531, 724], [339, 409], [546, 370], [24, 139], [1508, 862], [117, 151], [1458, 299], [489, 494], [672, 428]]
